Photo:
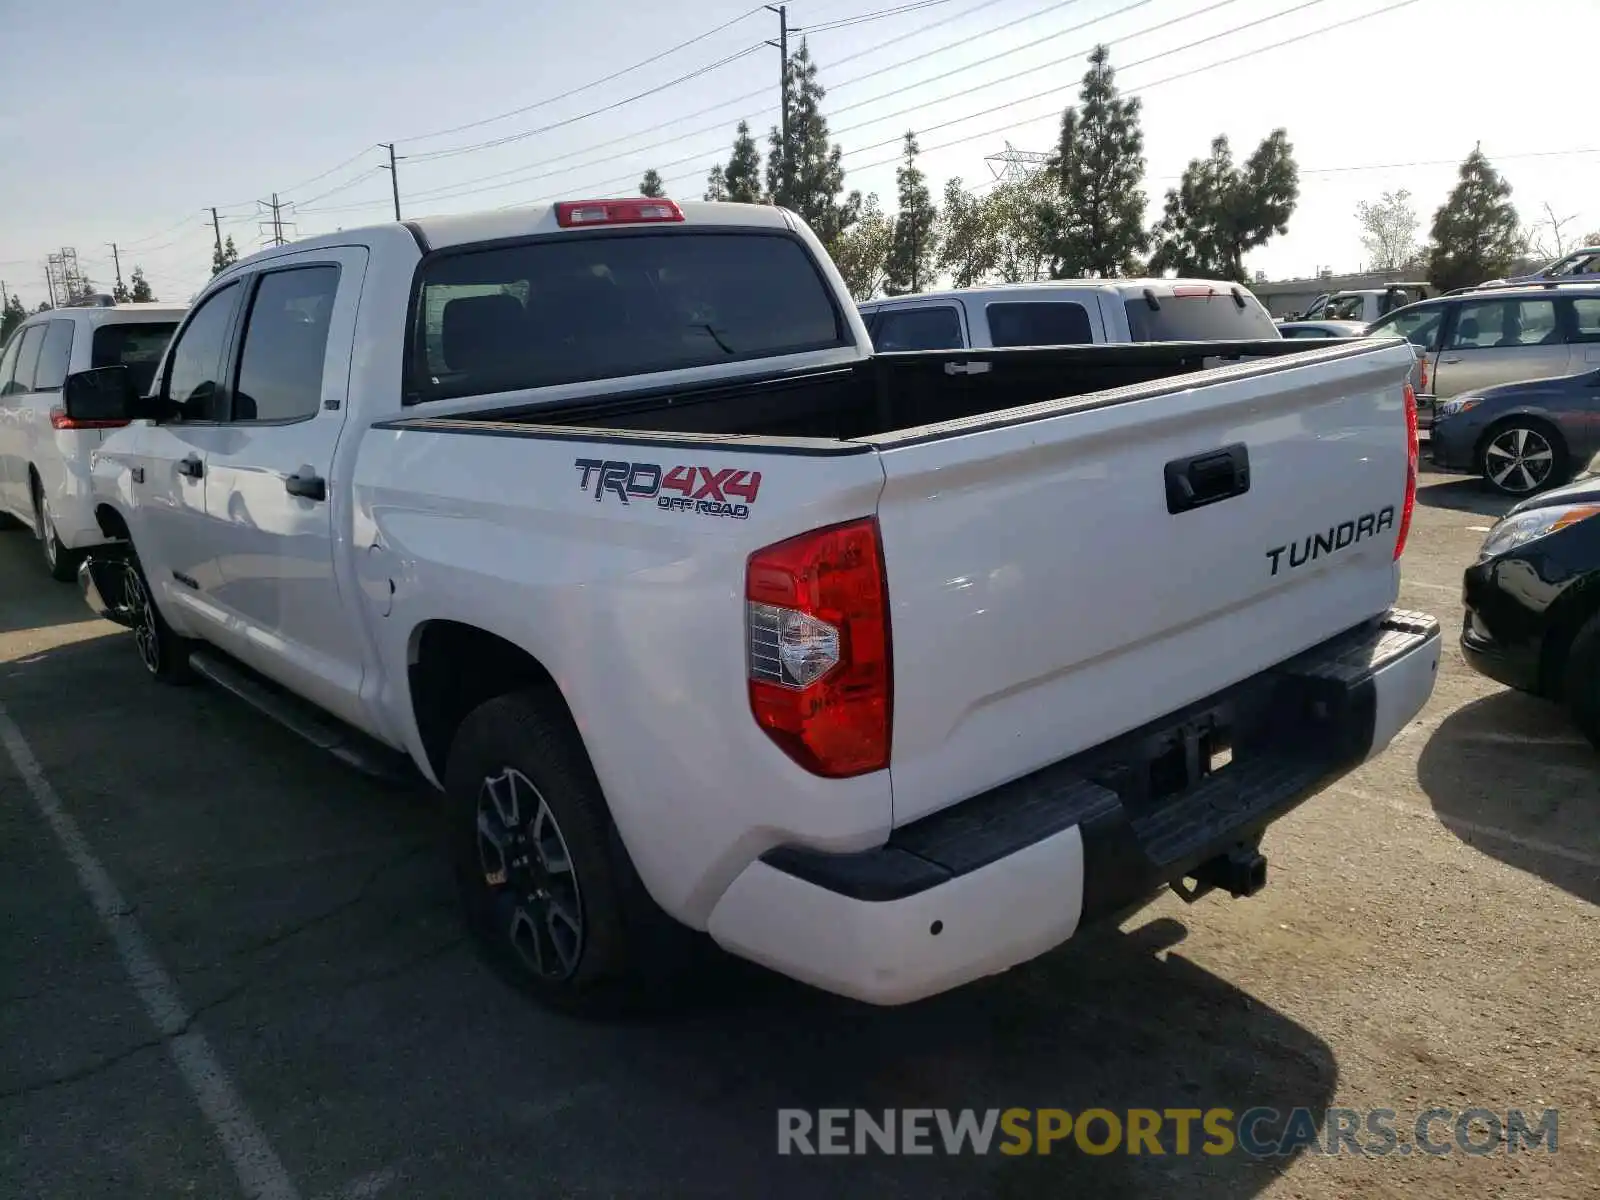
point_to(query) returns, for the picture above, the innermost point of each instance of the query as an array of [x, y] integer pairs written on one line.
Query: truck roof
[[464, 228], [1120, 287]]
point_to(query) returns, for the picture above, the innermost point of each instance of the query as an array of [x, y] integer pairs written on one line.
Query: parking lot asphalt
[[1429, 938]]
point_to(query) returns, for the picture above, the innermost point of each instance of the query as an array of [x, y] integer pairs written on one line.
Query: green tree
[[139, 291], [1024, 214], [1099, 166], [914, 247], [1591, 239], [1475, 231], [969, 248], [741, 179], [44, 306], [862, 252], [119, 293], [807, 174], [222, 259], [1389, 230], [716, 188], [14, 314], [1220, 212], [651, 185]]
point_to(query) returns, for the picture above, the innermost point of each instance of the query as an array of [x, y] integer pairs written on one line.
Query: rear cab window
[[576, 308], [137, 345], [931, 327], [1039, 323], [1201, 315]]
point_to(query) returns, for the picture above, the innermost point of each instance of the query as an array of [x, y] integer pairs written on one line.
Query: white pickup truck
[[883, 672]]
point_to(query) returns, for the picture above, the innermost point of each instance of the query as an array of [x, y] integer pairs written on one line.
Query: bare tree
[[1545, 238], [1389, 230]]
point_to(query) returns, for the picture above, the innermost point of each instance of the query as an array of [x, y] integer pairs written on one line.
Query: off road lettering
[[706, 491]]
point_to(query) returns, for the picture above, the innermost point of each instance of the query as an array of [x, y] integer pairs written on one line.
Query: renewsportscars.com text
[[1259, 1132]]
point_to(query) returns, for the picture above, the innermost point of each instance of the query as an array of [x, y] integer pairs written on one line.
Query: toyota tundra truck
[[882, 670]]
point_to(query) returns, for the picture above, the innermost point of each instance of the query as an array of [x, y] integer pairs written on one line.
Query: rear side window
[[931, 328], [27, 360], [55, 356], [137, 346], [8, 364], [285, 343], [1586, 319], [1214, 317], [575, 308], [1039, 323]]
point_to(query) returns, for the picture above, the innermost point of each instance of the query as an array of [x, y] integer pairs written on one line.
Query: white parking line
[[1538, 845], [259, 1170]]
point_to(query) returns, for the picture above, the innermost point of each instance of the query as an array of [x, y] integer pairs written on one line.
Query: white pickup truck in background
[[886, 673]]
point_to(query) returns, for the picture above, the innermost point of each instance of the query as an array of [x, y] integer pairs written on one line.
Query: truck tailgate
[[1045, 596]]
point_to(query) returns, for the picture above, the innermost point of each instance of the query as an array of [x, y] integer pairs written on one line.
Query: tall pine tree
[[224, 257], [1099, 167], [807, 175], [139, 291], [716, 188], [1475, 230], [1219, 212], [741, 179], [914, 248], [651, 185]]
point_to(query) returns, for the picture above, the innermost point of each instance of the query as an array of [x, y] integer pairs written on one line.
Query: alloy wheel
[[528, 871], [146, 636], [1518, 460]]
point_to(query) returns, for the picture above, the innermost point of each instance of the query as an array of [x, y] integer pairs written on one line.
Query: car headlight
[[1459, 404], [1537, 523]]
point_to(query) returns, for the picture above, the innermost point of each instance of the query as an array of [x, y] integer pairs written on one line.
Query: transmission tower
[[66, 281], [1012, 165], [273, 221]]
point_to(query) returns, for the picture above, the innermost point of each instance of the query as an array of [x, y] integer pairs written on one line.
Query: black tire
[[7, 521], [587, 940], [1580, 680], [1522, 456], [58, 560], [164, 654]]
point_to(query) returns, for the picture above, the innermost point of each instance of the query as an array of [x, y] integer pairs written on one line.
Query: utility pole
[[216, 231], [50, 283], [783, 90], [394, 176], [117, 264], [277, 222]]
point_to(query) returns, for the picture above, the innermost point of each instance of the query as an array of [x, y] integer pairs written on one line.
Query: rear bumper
[[998, 879]]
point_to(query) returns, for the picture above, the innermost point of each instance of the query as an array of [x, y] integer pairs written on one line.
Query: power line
[[843, 22]]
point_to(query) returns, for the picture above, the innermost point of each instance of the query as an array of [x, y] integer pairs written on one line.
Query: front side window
[[55, 356], [577, 308], [1306, 333], [195, 371], [935, 327], [27, 359], [1040, 323], [285, 343], [136, 345], [1419, 326], [1503, 324]]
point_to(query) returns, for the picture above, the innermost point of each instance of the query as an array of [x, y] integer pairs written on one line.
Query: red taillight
[[616, 212], [1411, 473], [60, 420], [817, 625], [1193, 292], [1422, 374]]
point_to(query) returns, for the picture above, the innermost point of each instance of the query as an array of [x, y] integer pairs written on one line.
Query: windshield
[[135, 345], [569, 309], [1213, 318]]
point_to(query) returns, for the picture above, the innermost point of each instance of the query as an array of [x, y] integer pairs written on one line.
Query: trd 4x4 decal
[[708, 491]]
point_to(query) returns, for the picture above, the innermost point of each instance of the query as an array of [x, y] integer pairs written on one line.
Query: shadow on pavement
[[29, 598], [1462, 494], [1510, 776]]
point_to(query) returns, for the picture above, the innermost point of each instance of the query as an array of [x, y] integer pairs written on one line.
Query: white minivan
[[44, 456], [1069, 312]]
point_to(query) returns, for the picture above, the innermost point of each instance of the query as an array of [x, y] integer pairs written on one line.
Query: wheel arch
[[1570, 613]]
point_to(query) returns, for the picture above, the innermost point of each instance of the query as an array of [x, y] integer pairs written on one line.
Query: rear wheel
[[1522, 456], [548, 890], [164, 654], [58, 560]]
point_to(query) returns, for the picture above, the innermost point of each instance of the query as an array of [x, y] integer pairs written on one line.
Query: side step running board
[[348, 745]]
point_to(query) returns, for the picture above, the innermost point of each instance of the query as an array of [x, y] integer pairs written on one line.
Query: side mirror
[[102, 395]]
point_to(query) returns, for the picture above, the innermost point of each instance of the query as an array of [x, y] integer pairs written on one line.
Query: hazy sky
[[122, 122]]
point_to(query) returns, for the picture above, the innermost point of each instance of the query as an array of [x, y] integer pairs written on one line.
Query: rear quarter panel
[[636, 611]]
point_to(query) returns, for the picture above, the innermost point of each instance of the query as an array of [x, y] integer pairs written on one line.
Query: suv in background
[[1481, 338], [1068, 312], [44, 455]]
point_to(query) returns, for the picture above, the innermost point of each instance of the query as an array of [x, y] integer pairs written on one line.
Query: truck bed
[[893, 394]]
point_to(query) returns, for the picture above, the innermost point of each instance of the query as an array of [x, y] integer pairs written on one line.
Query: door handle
[[967, 368], [1451, 361], [1206, 478], [191, 467], [309, 486]]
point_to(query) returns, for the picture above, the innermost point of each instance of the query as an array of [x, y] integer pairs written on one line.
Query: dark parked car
[[1533, 601], [1521, 437]]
